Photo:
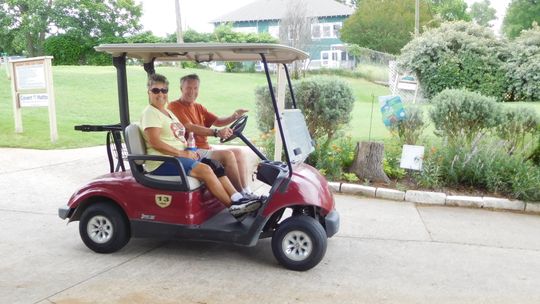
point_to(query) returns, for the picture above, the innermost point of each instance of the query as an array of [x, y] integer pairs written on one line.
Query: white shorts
[[203, 153]]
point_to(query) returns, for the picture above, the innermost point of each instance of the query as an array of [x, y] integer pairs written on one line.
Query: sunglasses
[[157, 91]]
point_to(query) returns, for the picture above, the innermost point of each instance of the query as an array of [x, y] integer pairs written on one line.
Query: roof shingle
[[277, 9]]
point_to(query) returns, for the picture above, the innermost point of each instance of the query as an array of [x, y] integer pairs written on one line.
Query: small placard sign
[[33, 100], [412, 157]]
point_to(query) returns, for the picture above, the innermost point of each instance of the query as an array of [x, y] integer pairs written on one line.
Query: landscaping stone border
[[437, 198]]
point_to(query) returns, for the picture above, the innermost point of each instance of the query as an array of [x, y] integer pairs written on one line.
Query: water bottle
[[191, 143]]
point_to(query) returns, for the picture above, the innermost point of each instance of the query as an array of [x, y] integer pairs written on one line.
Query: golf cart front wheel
[[103, 228], [299, 243]]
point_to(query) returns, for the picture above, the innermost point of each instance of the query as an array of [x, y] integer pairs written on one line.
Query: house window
[[315, 31], [336, 28], [325, 30], [274, 31]]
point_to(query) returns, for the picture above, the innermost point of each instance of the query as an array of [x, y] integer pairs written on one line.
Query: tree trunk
[[367, 162]]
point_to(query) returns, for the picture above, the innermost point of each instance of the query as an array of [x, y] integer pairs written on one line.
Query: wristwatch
[[215, 132]]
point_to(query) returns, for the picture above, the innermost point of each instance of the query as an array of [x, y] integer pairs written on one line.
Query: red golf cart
[[298, 213]]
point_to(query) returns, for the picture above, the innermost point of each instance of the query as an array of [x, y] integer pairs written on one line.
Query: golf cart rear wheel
[[299, 243], [103, 228]]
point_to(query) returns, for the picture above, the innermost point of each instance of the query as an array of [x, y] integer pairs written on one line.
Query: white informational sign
[[33, 100], [30, 75], [407, 85], [32, 86], [412, 157]]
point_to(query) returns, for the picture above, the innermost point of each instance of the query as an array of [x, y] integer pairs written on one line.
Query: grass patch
[[87, 95]]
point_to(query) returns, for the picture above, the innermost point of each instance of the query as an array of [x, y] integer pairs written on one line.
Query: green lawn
[[87, 95]]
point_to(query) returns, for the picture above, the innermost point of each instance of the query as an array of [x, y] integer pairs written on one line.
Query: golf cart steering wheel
[[237, 128]]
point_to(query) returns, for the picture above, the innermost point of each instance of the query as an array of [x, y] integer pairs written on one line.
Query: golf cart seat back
[[137, 156]]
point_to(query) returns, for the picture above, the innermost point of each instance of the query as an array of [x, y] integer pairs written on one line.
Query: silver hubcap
[[100, 229], [297, 245]]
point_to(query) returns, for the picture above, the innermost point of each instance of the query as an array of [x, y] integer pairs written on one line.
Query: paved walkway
[[385, 252]]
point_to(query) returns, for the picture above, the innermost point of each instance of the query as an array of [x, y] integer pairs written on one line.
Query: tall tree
[[520, 15], [98, 18], [384, 25], [451, 10], [482, 13], [295, 28], [24, 25]]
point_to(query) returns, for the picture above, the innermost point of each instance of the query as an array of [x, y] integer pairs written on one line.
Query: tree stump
[[367, 162]]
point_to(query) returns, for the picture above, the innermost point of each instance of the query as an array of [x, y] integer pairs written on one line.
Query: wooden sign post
[[32, 86]]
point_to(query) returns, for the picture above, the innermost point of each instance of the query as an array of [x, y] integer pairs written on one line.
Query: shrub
[[462, 114], [516, 125], [535, 155], [523, 67], [457, 55], [326, 103], [392, 159], [332, 157], [411, 127], [66, 49], [482, 166]]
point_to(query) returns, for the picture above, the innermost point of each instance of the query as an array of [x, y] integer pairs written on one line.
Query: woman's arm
[[155, 141]]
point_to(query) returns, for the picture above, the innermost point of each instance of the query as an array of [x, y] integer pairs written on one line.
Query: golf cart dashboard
[[269, 171]]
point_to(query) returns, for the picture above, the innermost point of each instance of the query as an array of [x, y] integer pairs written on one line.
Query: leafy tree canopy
[[25, 23], [451, 10], [384, 25], [521, 15], [482, 13]]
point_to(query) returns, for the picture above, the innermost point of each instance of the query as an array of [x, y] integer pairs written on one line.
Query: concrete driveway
[[385, 252]]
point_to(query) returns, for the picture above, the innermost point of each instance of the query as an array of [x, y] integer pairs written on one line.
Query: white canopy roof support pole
[[281, 85]]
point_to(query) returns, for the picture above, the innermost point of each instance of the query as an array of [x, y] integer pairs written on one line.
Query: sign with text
[[30, 75], [32, 86], [33, 100]]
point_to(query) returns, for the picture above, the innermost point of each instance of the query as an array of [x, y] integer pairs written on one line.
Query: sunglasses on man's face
[[157, 90]]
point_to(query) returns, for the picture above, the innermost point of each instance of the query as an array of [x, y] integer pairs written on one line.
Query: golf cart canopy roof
[[203, 52]]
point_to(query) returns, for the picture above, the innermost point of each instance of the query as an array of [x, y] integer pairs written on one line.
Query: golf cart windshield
[[296, 139]]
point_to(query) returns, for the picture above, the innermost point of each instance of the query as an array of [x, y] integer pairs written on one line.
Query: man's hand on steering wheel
[[235, 128], [224, 133]]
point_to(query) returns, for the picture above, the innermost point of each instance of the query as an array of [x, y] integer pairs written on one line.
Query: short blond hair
[[156, 78]]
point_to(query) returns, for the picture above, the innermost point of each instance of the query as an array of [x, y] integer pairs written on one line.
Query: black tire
[[104, 228], [299, 243]]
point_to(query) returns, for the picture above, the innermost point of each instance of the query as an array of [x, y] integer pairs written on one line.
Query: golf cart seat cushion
[[193, 182], [136, 145]]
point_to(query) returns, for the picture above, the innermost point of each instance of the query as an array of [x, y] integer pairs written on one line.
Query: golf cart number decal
[[163, 200]]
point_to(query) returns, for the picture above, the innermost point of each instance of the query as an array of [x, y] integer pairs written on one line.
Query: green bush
[[483, 166], [535, 155], [457, 55], [411, 127], [333, 157], [523, 67], [66, 50], [462, 114], [326, 103], [516, 125], [392, 159]]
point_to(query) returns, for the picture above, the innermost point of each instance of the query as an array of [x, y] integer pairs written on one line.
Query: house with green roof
[[322, 37]]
